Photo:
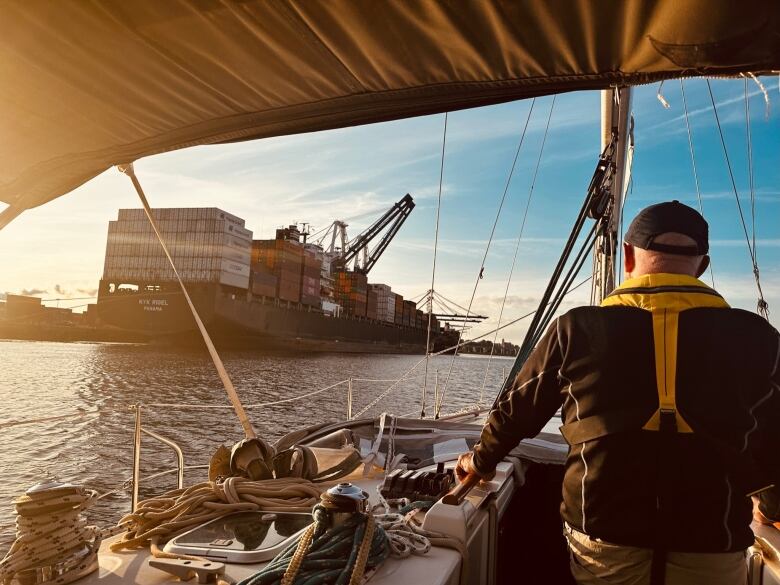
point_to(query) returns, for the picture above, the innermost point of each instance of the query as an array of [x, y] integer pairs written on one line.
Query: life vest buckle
[[668, 420]]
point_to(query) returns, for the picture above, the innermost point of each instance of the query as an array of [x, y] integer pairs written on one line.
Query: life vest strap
[[667, 418], [601, 425]]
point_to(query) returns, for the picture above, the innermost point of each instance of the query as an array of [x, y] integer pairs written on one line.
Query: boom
[[391, 221]]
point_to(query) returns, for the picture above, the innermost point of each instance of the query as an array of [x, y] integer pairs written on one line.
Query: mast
[[615, 129]]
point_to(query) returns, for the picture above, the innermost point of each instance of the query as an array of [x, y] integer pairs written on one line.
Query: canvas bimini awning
[[85, 85]]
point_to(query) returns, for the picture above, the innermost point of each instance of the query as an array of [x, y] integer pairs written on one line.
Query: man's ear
[[629, 260], [703, 266]]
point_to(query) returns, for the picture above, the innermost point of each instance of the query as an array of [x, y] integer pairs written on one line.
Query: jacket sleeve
[[534, 397], [769, 441]]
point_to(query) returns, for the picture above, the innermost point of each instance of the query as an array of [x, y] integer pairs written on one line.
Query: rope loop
[[53, 538]]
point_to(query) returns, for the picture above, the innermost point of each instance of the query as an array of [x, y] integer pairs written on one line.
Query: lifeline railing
[[135, 480]]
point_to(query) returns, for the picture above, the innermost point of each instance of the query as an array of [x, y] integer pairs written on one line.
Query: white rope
[[221, 371], [378, 380], [248, 406], [160, 518], [52, 533], [763, 90], [661, 97], [433, 271], [15, 423], [479, 276]]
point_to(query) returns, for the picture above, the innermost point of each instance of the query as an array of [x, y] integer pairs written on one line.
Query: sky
[[354, 174]]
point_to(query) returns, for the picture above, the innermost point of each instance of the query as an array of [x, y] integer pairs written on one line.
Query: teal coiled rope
[[332, 555]]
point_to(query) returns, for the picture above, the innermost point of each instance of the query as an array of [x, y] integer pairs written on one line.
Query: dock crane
[[357, 249]]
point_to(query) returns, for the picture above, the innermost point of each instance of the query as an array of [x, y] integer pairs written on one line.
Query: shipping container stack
[[310, 277], [372, 300], [351, 292], [327, 282], [207, 245], [409, 308], [399, 310], [281, 259], [385, 302]]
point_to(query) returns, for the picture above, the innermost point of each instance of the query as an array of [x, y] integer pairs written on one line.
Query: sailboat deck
[[440, 566]]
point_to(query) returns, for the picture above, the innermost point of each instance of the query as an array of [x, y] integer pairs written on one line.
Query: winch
[[342, 501], [340, 547]]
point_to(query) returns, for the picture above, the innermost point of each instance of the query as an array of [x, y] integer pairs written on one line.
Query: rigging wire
[[593, 206], [433, 270], [512, 268], [459, 344], [218, 364], [482, 267], [572, 273], [549, 307], [762, 305], [693, 166], [748, 140]]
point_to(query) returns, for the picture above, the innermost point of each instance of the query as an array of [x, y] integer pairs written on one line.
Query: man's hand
[[466, 467], [757, 515]]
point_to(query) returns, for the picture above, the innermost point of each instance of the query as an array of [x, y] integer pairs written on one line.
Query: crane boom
[[391, 221]]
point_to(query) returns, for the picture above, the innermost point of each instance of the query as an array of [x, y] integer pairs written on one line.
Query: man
[[671, 408]]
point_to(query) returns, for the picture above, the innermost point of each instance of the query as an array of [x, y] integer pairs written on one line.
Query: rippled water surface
[[99, 382]]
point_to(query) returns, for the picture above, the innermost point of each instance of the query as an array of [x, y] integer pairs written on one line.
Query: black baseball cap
[[670, 216]]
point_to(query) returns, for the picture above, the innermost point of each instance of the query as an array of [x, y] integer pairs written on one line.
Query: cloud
[[32, 292], [688, 195], [472, 248], [89, 292], [61, 291]]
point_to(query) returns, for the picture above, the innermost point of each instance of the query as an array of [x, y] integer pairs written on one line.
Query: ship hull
[[236, 319]]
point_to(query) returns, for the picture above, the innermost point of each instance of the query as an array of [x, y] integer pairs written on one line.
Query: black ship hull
[[236, 319]]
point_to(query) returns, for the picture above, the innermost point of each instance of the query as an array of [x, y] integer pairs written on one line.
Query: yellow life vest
[[665, 296]]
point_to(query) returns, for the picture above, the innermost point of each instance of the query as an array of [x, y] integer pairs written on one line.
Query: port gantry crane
[[357, 250], [449, 311]]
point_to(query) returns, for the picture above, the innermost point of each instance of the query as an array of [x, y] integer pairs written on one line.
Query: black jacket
[[626, 485]]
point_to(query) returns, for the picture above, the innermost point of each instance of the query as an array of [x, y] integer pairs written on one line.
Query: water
[[99, 382]]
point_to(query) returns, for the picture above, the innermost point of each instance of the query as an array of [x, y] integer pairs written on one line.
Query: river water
[[91, 387]]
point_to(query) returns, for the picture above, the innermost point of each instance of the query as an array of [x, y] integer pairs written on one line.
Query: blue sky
[[356, 173]]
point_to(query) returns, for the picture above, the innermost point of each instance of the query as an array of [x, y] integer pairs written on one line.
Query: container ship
[[281, 294]]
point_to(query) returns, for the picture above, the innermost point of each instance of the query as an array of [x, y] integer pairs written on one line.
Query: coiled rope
[[161, 518], [339, 555], [53, 536], [407, 537]]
